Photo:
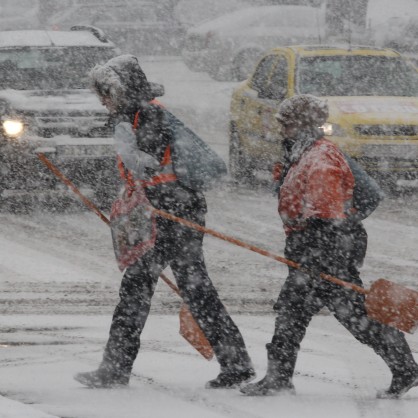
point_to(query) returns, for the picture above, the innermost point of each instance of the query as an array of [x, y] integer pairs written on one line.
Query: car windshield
[[49, 68], [356, 76]]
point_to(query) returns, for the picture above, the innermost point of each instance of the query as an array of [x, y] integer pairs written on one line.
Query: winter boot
[[401, 383], [102, 378], [278, 377], [228, 379], [273, 383], [236, 366]]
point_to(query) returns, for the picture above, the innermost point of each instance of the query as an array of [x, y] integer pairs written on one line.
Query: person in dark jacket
[[324, 234], [125, 91]]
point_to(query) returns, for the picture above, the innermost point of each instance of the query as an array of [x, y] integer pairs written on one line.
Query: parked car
[[138, 27], [372, 95], [228, 47], [46, 106]]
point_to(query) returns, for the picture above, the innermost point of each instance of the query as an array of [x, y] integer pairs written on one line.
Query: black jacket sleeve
[[152, 134]]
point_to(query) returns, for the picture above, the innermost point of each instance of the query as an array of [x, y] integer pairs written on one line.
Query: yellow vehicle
[[372, 96]]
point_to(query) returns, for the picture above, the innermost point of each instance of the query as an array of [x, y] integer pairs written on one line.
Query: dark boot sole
[[233, 386], [269, 392], [98, 384]]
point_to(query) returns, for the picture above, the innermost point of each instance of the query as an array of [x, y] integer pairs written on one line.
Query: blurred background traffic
[[177, 27], [47, 48]]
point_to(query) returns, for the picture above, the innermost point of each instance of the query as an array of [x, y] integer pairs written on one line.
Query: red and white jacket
[[319, 185]]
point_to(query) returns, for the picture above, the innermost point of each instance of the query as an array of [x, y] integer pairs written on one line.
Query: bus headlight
[[13, 128]]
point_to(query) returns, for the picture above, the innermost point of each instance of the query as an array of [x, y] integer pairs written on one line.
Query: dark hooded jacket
[[128, 86]]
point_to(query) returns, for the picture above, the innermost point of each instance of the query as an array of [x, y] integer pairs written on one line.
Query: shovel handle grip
[[345, 284]]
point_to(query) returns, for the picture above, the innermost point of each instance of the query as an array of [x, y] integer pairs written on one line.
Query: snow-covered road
[[59, 283]]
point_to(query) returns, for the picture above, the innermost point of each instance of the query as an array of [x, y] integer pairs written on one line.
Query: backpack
[[195, 164], [367, 193]]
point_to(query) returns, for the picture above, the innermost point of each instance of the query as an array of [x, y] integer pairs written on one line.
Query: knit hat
[[304, 110]]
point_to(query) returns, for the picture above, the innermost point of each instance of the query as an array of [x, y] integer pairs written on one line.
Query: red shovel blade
[[393, 305], [190, 330]]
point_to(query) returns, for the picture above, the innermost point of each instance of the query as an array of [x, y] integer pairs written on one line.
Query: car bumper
[[398, 159], [90, 163]]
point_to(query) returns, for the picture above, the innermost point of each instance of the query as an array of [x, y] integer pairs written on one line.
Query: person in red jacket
[[324, 234]]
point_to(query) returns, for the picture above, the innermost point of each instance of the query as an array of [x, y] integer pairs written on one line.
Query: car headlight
[[332, 129], [13, 128]]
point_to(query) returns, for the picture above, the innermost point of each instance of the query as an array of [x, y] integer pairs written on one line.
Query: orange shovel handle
[[255, 249], [199, 228], [189, 328], [70, 184], [92, 206]]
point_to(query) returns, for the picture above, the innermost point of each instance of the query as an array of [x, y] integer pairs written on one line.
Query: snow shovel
[[189, 328], [386, 302]]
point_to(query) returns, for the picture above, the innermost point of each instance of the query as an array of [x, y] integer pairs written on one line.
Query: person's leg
[[200, 295], [130, 315], [349, 309], [389, 343], [295, 307]]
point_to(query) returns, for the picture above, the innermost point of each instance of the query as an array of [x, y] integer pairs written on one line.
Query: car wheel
[[244, 63], [240, 169]]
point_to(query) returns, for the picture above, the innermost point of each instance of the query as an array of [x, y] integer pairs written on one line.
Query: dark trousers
[[181, 249], [303, 295]]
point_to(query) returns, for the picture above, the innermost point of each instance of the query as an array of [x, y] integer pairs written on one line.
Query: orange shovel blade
[[190, 330], [393, 305]]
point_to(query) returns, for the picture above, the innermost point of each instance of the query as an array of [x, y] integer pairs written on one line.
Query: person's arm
[[126, 147], [152, 133], [327, 202]]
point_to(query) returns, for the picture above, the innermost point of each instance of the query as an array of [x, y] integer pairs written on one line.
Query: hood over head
[[123, 80]]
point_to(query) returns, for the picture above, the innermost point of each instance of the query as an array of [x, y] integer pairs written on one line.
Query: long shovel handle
[[189, 329], [255, 249], [199, 228], [92, 206], [71, 185]]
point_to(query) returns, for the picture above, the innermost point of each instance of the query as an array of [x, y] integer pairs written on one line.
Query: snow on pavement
[[335, 376]]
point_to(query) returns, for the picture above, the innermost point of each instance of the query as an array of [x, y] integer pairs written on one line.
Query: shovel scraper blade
[[393, 305], [191, 332]]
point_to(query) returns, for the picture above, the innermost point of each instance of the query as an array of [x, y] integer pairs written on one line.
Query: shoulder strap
[[127, 176]]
